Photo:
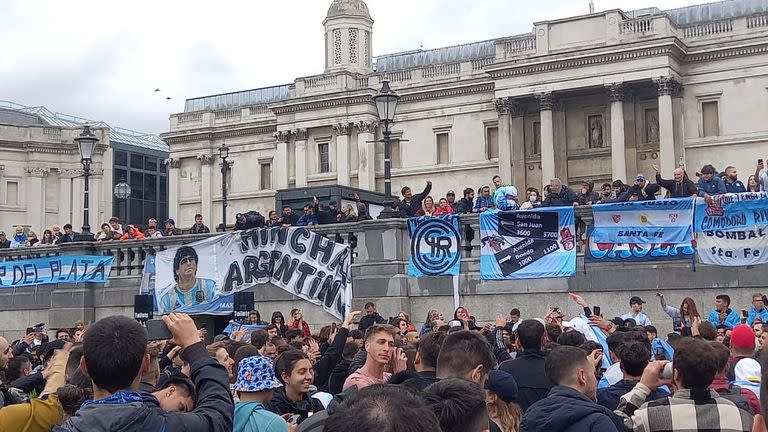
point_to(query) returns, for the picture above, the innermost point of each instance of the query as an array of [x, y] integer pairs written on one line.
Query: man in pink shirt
[[380, 346]]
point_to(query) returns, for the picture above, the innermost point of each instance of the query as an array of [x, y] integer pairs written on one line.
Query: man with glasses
[[189, 290], [308, 218]]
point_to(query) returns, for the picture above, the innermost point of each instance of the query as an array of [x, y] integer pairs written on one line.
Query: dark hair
[[553, 332], [350, 351], [561, 363], [589, 346], [468, 191], [634, 358], [198, 215], [696, 362], [371, 409], [62, 330], [67, 226], [259, 338], [429, 346], [231, 346], [651, 329], [114, 348], [458, 404], [356, 334], [181, 253], [571, 338], [530, 333], [707, 169], [618, 184], [15, 365], [185, 385], [293, 333], [324, 334], [514, 312], [614, 341], [72, 397], [707, 331], [722, 355], [463, 351], [724, 297], [369, 304], [241, 353], [276, 314], [285, 362], [299, 345], [258, 315]]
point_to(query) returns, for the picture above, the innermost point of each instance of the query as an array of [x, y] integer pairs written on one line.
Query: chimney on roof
[[591, 7]]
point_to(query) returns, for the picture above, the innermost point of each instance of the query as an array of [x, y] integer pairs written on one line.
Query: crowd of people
[[449, 374]]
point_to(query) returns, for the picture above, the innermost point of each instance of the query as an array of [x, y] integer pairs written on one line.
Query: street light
[[122, 192], [386, 103], [86, 142], [224, 154]]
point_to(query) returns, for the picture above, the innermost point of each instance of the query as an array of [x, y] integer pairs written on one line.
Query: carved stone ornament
[[615, 92], [37, 171], [67, 172], [282, 136], [341, 128], [366, 126], [501, 105], [668, 86], [205, 159], [509, 106], [97, 172], [173, 163], [300, 134], [546, 101]]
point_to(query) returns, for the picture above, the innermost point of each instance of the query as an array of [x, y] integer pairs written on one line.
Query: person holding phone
[[761, 175], [636, 303], [255, 385]]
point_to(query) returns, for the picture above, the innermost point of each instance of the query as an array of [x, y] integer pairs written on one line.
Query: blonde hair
[[506, 415]]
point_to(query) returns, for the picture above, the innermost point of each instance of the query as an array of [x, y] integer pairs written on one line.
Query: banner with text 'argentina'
[[643, 222], [202, 276], [528, 244], [434, 246], [732, 212]]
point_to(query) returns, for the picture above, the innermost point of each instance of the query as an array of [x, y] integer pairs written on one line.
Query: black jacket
[[463, 206], [291, 219], [409, 209], [316, 423], [610, 397], [646, 193], [213, 411], [7, 244], [683, 189], [66, 238], [326, 216], [201, 229], [567, 410], [589, 197], [368, 321], [280, 404], [528, 371], [325, 365], [27, 384], [416, 381], [565, 198], [339, 374]]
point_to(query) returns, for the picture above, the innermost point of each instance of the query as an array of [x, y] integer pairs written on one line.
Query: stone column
[[546, 105], [206, 192], [503, 106], [78, 188], [173, 187], [65, 195], [35, 197], [95, 205], [300, 148], [342, 153], [517, 144], [618, 147], [366, 171], [667, 87], [282, 171]]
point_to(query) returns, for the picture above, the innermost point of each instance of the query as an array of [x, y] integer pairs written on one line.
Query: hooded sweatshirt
[[567, 410], [589, 196]]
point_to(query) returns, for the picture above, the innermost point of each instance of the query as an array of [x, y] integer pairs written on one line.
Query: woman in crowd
[[683, 317], [255, 318], [533, 201], [467, 321], [752, 185], [153, 232], [299, 323], [279, 321], [294, 370], [273, 220], [347, 214], [105, 234], [132, 233], [427, 207], [443, 208], [407, 320], [402, 329], [500, 397], [32, 239], [47, 239], [432, 316]]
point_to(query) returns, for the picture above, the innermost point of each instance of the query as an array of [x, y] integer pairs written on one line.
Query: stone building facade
[[602, 96]]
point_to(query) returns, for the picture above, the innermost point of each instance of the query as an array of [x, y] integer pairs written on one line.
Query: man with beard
[[732, 183], [571, 404]]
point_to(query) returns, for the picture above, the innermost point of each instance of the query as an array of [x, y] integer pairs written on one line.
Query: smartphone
[[587, 312], [666, 373], [157, 330], [744, 312], [760, 160], [334, 326], [293, 419], [29, 330], [597, 310]]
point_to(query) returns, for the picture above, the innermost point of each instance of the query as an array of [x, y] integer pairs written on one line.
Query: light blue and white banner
[[642, 222], [434, 246], [746, 210], [527, 244], [54, 270], [734, 248]]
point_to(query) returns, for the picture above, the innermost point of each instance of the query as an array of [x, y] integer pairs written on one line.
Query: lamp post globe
[[86, 143], [386, 103]]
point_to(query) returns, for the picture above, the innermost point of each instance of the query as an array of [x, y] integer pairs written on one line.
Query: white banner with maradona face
[[201, 277]]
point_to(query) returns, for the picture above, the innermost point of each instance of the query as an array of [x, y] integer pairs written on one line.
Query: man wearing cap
[[742, 349], [644, 189], [188, 290], [170, 228], [255, 384], [451, 198], [636, 303]]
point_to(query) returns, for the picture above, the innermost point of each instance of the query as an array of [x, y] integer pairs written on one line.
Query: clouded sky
[[103, 59]]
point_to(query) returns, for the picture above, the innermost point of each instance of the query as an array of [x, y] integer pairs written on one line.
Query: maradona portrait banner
[[527, 244], [201, 277], [434, 246]]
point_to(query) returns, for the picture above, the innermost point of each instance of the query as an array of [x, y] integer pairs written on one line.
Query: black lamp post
[[386, 103], [86, 143], [223, 154], [122, 192]]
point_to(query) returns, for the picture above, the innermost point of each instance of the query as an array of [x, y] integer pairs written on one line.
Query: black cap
[[503, 385], [617, 321], [635, 300], [48, 348]]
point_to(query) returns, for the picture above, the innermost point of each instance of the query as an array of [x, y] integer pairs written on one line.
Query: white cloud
[[103, 60]]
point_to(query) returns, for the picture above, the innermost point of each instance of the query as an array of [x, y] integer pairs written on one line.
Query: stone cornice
[[37, 171], [310, 105], [727, 52], [205, 159], [447, 92], [210, 134]]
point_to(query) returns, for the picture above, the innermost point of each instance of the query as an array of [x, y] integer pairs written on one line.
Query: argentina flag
[[643, 222], [434, 246]]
